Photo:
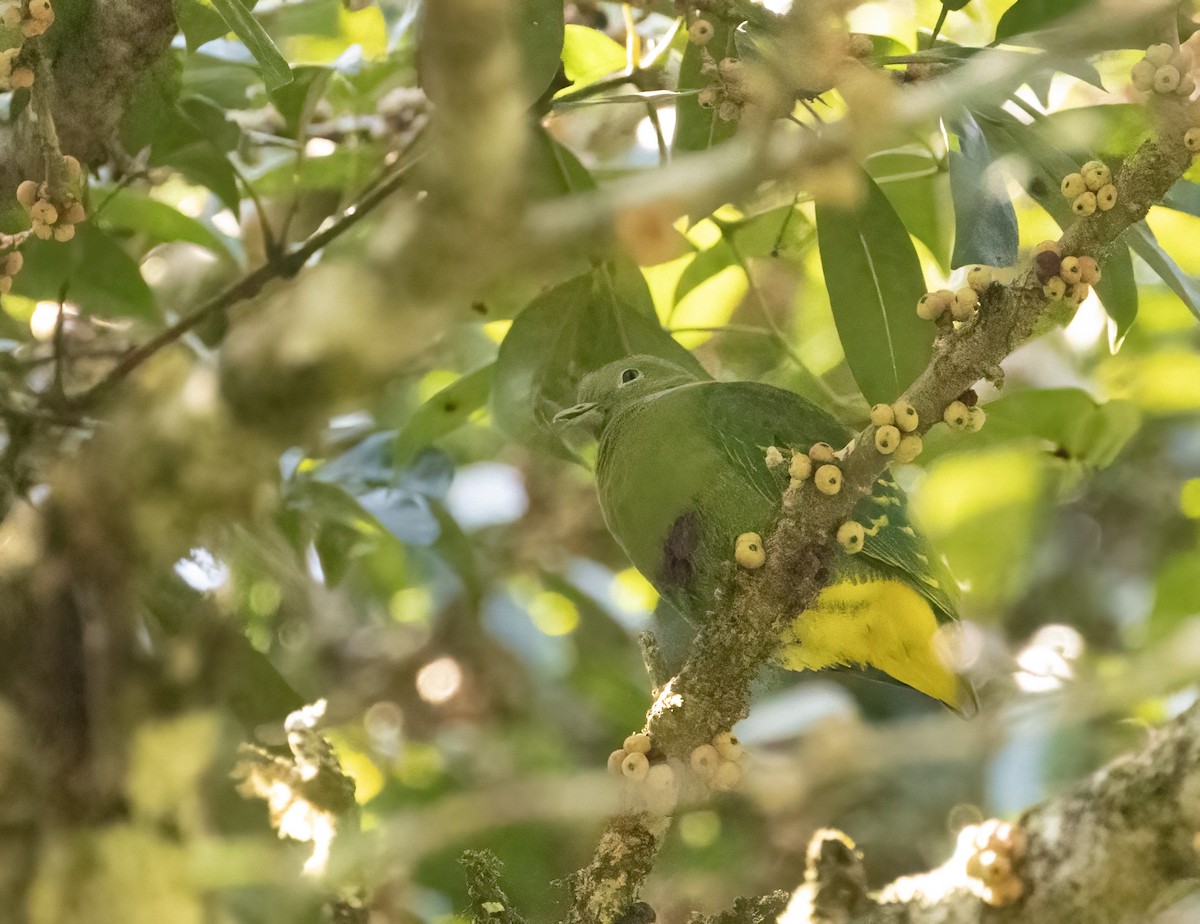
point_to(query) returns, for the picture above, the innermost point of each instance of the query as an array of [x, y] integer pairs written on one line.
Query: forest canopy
[[429, 430]]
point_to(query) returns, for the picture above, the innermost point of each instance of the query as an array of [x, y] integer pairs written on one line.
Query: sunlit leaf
[[776, 233], [131, 211], [919, 189], [1118, 293], [272, 66], [1031, 15], [1143, 242], [449, 409], [588, 55], [874, 280]]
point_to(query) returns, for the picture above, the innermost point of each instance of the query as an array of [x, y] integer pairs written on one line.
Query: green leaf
[[1069, 419], [449, 409], [985, 222], [553, 170], [132, 211], [1143, 242], [777, 233], [589, 55], [539, 34], [874, 280], [1118, 293], [198, 22], [919, 189], [271, 64], [697, 128], [1031, 15], [1184, 197], [91, 270], [565, 333]]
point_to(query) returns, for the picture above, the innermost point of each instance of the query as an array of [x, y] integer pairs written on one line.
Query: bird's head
[[618, 385]]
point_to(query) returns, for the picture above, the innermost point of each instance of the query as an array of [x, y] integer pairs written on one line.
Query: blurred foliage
[[426, 556]]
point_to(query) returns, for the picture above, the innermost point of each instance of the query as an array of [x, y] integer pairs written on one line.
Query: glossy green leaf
[[132, 211], [1031, 15], [985, 222], [447, 410], [564, 334], [1118, 293], [1184, 196], [874, 280], [919, 190], [199, 22], [91, 270], [697, 128], [589, 55], [274, 69], [1143, 242], [1069, 419]]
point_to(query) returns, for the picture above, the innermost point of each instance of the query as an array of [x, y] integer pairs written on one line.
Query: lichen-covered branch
[[712, 691], [1120, 846]]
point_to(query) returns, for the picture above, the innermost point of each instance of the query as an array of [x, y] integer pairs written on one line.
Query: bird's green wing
[[891, 541], [748, 417]]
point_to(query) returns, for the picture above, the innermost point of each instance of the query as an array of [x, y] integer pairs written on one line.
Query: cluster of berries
[[13, 78], [1067, 279], [32, 17], [1165, 70], [10, 265], [1090, 189], [993, 850], [52, 219], [961, 305], [727, 92], [964, 413], [719, 763], [894, 435]]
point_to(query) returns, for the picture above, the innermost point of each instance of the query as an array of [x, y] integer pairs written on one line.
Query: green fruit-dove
[[682, 472]]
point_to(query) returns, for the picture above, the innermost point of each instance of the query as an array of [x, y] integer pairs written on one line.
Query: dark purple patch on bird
[[679, 551]]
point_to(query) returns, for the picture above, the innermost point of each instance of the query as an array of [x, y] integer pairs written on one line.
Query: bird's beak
[[572, 414]]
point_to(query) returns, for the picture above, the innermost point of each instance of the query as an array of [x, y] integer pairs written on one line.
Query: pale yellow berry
[[1055, 288], [749, 551], [975, 419], [1048, 246], [41, 9], [13, 263], [850, 536], [27, 193], [979, 277], [1160, 54], [635, 767], [42, 230], [828, 479], [1089, 270], [1077, 293], [31, 28], [637, 743], [707, 98], [64, 233], [1106, 197], [910, 447], [616, 762], [700, 32], [906, 416], [1073, 185], [1142, 75], [966, 301], [10, 17], [74, 213], [946, 296], [1069, 270], [72, 169], [930, 306], [728, 746], [1166, 79], [821, 452], [859, 45], [800, 466], [43, 210], [1187, 85], [1095, 174], [6, 284], [727, 777], [882, 415], [705, 760], [660, 790], [1191, 140], [956, 414], [729, 111], [1084, 204], [21, 79], [887, 438]]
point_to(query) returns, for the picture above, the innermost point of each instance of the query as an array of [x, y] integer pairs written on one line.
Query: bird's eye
[[629, 375]]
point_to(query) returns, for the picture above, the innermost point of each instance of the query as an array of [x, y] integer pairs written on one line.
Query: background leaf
[[446, 410], [874, 281], [985, 222], [274, 69]]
